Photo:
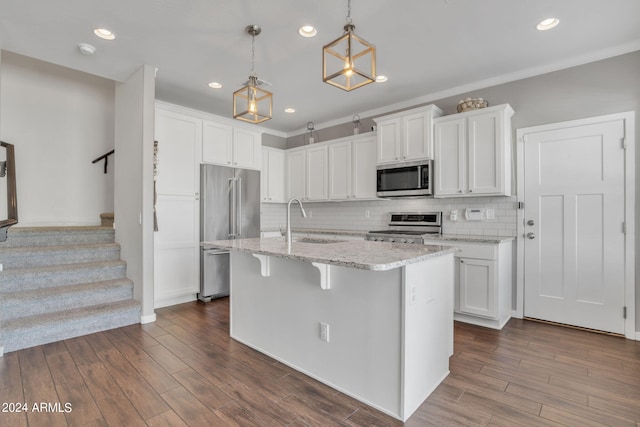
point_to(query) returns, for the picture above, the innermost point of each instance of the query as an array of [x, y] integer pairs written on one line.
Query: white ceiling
[[427, 48]]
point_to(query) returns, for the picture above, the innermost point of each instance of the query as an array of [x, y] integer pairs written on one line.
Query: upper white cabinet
[[228, 146], [407, 135], [317, 177], [342, 169], [296, 173], [272, 175], [363, 168], [473, 153]]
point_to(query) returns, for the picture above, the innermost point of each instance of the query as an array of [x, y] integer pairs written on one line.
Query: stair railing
[[8, 170], [105, 156]]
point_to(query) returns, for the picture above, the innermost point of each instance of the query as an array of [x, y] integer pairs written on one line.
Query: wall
[[134, 120], [59, 120]]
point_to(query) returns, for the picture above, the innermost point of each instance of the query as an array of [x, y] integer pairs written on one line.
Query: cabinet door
[[449, 163], [389, 141], [363, 169], [416, 138], [217, 140], [264, 177], [340, 171], [296, 174], [477, 287], [274, 174], [317, 173], [177, 241], [247, 147], [486, 154]]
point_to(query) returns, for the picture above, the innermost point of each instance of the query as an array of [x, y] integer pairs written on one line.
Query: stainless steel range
[[409, 227]]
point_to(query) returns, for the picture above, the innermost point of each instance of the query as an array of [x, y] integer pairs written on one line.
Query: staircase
[[62, 282]]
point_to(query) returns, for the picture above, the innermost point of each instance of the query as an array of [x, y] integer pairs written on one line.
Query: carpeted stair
[[62, 282]]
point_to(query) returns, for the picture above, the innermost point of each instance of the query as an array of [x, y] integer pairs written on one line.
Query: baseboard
[[1, 351], [148, 319], [165, 302], [637, 336]]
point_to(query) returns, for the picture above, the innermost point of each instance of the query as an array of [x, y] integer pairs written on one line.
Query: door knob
[[530, 222], [530, 235]]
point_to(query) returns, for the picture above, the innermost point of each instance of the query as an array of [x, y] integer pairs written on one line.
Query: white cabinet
[[363, 168], [296, 173], [483, 282], [473, 153], [272, 183], [177, 241], [340, 170], [407, 135], [228, 146], [317, 176]]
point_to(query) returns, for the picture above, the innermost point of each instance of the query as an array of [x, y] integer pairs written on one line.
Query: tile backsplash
[[374, 214]]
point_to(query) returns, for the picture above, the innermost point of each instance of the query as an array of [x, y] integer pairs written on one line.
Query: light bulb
[[253, 108], [348, 67]]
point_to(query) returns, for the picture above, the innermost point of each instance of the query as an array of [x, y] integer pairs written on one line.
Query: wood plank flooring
[[184, 370]]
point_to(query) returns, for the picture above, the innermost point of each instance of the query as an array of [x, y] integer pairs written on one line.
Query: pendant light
[[251, 103], [349, 61]]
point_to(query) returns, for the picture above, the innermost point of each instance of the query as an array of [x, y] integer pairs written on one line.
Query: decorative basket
[[469, 104]]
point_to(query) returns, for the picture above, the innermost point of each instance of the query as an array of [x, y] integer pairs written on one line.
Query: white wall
[[59, 120], [134, 182]]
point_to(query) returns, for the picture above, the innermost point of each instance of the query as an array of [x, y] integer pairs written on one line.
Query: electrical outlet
[[310, 213], [324, 331], [367, 214]]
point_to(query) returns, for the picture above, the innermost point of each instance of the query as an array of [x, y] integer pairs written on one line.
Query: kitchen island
[[373, 320]]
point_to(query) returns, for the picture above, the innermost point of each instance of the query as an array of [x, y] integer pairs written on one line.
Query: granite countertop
[[362, 254], [470, 238]]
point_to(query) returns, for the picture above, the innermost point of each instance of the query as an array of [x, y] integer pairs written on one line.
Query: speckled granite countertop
[[469, 238], [360, 254]]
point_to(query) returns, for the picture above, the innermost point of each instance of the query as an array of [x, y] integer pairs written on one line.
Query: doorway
[[576, 223]]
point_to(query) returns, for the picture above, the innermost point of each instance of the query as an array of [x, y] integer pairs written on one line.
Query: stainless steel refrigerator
[[229, 209]]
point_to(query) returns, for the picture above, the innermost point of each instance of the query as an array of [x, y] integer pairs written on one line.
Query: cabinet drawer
[[470, 250]]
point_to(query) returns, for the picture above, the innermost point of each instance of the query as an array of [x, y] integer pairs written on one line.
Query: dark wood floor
[[185, 370]]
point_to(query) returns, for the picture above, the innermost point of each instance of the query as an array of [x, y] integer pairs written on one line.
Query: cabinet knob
[[530, 222], [459, 191], [531, 235]]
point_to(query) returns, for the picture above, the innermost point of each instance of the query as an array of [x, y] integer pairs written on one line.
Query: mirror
[[8, 197]]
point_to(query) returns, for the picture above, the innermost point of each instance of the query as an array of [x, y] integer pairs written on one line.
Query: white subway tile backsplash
[[352, 215]]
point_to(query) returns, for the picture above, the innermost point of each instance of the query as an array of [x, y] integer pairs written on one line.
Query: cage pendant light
[[251, 103], [349, 61]]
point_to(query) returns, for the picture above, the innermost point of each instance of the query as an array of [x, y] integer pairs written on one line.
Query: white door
[[574, 213]]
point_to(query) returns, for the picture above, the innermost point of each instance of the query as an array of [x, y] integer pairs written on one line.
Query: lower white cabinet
[[483, 282]]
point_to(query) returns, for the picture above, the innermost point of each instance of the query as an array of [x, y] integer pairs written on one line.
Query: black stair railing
[[8, 171], [105, 156]]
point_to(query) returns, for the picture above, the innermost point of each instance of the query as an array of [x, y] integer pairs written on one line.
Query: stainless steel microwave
[[409, 179]]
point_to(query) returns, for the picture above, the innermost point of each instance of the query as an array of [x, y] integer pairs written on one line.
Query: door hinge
[[520, 205], [624, 143], [624, 312]]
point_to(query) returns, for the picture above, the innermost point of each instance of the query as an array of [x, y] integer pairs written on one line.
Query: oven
[[409, 179], [409, 227]]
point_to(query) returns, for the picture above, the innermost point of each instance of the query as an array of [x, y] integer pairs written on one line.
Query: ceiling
[[427, 48]]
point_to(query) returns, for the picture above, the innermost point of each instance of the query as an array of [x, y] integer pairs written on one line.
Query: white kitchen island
[[387, 307]]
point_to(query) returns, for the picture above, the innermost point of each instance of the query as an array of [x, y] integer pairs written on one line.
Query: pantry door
[[574, 223]]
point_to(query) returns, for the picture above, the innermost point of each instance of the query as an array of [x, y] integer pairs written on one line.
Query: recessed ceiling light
[[381, 79], [548, 24], [103, 33], [307, 31], [289, 110], [215, 85], [86, 49]]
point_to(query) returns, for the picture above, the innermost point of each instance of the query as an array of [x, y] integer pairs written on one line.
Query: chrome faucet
[[304, 215]]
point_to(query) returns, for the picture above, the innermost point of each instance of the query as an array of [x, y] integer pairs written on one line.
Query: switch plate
[[324, 331]]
